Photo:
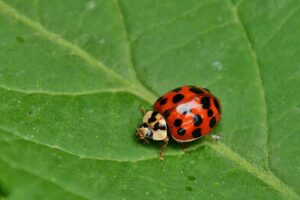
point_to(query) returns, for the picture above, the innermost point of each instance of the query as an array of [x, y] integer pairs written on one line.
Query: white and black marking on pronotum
[[157, 126], [153, 117], [153, 127]]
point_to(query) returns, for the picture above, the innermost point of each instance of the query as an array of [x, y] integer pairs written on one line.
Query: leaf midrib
[[144, 93], [235, 13]]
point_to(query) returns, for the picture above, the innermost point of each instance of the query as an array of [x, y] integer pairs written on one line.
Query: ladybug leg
[[141, 137], [162, 149], [184, 147], [146, 141], [215, 137], [142, 109]]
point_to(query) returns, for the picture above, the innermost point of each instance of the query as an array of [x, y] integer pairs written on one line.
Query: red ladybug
[[186, 113]]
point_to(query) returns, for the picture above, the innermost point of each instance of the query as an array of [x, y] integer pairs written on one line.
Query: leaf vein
[[133, 87], [51, 93], [279, 27], [129, 47], [239, 22]]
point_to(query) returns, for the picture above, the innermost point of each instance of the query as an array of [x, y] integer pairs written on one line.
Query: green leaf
[[74, 73]]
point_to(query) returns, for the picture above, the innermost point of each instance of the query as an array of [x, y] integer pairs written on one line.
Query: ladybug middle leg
[[162, 149]]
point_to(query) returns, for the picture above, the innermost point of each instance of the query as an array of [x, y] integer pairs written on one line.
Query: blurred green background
[[74, 73]]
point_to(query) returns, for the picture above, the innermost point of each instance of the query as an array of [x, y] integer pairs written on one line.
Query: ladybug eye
[[144, 125]]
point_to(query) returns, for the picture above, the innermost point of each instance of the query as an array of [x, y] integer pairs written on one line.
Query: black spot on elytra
[[196, 133], [217, 105], [177, 89], [210, 113], [166, 114], [205, 101], [197, 120], [151, 119], [160, 98], [177, 122], [207, 90], [196, 90], [177, 98], [181, 131], [212, 122], [163, 101]]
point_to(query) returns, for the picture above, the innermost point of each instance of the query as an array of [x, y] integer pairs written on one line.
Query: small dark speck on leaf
[[189, 188], [20, 39], [29, 112], [192, 178]]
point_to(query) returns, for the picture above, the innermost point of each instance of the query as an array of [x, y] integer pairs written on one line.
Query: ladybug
[[186, 113]]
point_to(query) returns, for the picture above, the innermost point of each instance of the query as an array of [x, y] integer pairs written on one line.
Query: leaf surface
[[73, 75]]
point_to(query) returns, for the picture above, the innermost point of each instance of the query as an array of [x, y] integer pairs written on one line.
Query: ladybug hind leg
[[215, 137], [185, 147]]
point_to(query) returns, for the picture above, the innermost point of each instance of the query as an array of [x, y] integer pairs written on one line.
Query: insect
[[186, 113]]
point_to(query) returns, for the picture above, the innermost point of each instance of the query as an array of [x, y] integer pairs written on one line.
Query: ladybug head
[[144, 132]]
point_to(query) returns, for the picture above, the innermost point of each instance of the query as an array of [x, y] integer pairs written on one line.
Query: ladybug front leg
[[142, 109], [141, 137], [162, 149]]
